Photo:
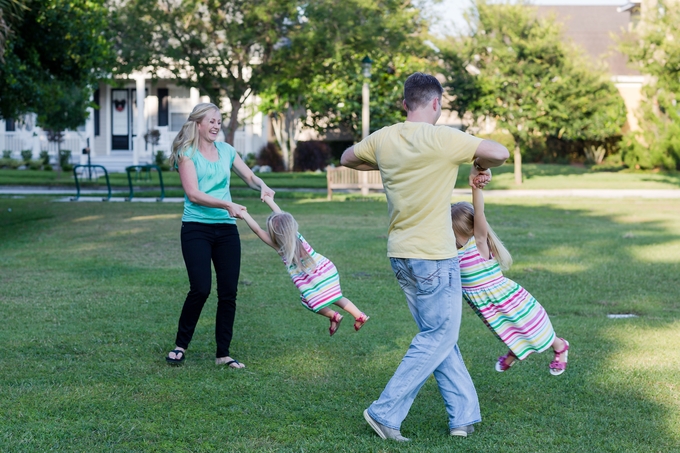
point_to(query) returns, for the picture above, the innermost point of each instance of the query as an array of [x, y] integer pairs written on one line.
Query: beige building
[[595, 28]]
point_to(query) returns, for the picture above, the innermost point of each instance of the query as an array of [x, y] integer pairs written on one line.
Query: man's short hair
[[419, 89]]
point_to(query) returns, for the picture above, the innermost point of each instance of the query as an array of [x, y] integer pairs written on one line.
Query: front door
[[123, 113]]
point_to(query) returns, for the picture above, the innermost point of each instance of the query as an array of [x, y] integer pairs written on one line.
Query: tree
[[316, 78], [222, 47], [516, 69], [654, 48], [56, 43], [10, 16], [62, 109]]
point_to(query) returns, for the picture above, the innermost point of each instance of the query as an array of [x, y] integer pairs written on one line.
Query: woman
[[209, 230]]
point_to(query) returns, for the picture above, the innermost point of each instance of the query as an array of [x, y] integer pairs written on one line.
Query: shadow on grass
[[102, 297], [668, 178]]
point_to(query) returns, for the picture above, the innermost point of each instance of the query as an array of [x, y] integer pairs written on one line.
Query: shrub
[[34, 164], [65, 160], [634, 154], [26, 155], [337, 148], [161, 161], [8, 162], [250, 160], [7, 154], [270, 155], [45, 157], [312, 155]]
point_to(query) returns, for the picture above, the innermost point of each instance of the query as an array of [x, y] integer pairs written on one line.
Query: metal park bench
[[90, 168], [146, 171]]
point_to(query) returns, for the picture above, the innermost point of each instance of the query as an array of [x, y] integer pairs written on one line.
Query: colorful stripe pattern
[[320, 288], [506, 308]]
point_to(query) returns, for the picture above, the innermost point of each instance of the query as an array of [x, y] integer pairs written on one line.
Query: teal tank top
[[213, 179]]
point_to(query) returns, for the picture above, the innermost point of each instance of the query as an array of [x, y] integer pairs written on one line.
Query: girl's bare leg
[[334, 316], [559, 345], [327, 312], [349, 307]]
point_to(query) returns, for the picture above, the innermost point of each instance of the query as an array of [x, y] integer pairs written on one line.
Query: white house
[[127, 111]]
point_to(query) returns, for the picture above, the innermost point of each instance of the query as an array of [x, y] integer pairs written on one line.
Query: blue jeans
[[434, 296]]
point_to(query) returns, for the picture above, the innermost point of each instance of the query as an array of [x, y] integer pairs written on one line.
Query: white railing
[[14, 142]]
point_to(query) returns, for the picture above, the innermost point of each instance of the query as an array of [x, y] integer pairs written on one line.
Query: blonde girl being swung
[[506, 308], [313, 274]]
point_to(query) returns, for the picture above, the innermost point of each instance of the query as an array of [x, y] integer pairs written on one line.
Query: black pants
[[201, 244]]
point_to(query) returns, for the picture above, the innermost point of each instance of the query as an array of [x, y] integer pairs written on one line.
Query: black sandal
[[176, 361]]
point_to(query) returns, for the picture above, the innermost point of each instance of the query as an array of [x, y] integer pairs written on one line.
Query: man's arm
[[348, 159], [490, 154]]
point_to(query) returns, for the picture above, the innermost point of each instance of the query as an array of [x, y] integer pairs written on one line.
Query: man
[[418, 162]]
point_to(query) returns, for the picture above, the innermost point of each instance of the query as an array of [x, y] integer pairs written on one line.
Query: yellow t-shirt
[[419, 164]]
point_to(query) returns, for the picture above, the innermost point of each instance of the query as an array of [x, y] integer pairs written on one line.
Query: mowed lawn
[[90, 295]]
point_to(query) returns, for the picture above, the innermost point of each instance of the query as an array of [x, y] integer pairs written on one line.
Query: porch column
[[140, 126], [194, 96]]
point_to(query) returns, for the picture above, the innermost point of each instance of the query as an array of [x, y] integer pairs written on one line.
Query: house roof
[[591, 27]]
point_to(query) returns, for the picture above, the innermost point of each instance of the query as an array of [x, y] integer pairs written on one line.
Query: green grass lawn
[[91, 294], [536, 176]]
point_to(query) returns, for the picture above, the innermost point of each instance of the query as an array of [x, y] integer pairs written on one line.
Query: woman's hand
[[265, 191], [235, 210]]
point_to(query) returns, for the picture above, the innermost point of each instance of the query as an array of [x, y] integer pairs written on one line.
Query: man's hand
[[479, 179]]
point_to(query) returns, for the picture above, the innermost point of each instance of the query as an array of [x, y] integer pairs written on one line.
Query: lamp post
[[365, 96], [365, 115]]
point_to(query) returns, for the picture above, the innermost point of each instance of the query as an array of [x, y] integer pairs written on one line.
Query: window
[[95, 100], [163, 107], [10, 126], [179, 108]]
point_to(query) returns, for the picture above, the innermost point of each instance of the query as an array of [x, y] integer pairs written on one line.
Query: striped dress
[[506, 308], [320, 288]]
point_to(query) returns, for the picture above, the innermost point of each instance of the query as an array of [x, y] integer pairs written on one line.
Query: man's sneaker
[[462, 431], [383, 431]]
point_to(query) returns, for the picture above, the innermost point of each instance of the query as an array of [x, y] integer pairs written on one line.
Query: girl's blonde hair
[[187, 138], [283, 230], [463, 220]]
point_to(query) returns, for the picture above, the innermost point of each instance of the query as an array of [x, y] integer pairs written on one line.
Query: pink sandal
[[501, 365], [360, 321], [557, 367], [335, 323]]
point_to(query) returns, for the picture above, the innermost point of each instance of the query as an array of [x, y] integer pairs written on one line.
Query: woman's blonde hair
[[187, 138], [463, 221], [283, 230]]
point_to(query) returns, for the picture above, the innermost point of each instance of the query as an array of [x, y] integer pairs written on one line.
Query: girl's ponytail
[[283, 229], [498, 250]]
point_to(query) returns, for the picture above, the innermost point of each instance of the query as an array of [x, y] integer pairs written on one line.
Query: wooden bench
[[348, 178]]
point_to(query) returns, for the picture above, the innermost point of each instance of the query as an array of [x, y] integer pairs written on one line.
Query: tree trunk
[[517, 157], [278, 124], [59, 159], [229, 128], [286, 127]]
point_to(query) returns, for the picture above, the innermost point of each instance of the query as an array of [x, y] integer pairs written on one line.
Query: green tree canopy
[[222, 47], [654, 48], [516, 69], [317, 76], [56, 44]]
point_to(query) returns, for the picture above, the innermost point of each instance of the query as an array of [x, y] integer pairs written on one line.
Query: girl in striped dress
[[506, 308], [313, 274]]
